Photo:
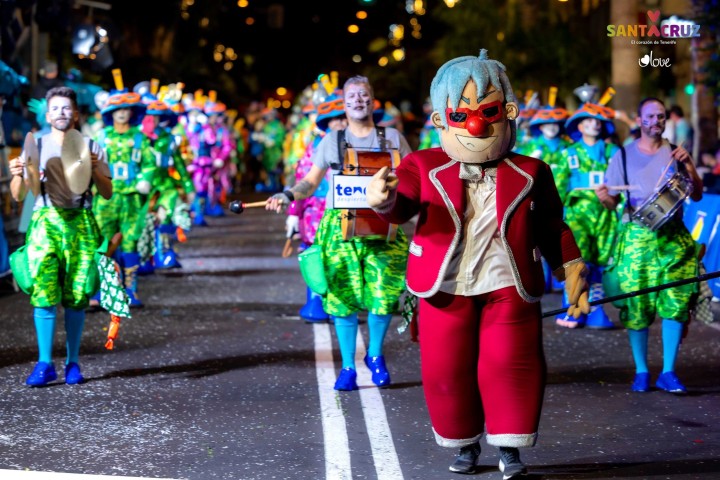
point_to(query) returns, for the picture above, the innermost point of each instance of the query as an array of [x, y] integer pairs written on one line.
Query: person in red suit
[[486, 217]]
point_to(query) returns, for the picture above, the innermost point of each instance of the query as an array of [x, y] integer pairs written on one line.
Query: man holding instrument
[[486, 216], [62, 238], [645, 257], [363, 272]]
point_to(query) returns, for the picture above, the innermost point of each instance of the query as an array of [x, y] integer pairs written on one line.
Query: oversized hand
[[576, 287], [381, 190]]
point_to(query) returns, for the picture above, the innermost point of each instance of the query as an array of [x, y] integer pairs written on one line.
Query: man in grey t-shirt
[[363, 273], [645, 257]]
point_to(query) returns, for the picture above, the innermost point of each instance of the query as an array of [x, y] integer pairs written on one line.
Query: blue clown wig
[[451, 78]]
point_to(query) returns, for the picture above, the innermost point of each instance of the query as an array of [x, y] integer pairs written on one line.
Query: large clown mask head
[[475, 109]]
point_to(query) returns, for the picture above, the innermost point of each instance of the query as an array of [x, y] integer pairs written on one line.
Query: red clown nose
[[476, 126]]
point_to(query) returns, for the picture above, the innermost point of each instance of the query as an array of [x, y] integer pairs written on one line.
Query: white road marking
[[27, 475], [337, 450], [387, 464]]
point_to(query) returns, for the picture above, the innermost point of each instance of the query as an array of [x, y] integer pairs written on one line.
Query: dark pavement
[[217, 378]]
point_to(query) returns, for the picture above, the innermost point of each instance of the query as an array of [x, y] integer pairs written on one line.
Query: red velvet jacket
[[529, 212]]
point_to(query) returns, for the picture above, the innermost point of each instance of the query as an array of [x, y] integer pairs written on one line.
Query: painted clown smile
[[475, 144]]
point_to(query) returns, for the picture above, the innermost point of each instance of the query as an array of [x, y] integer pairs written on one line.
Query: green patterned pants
[[594, 228], [646, 259], [61, 244], [121, 213], [362, 273]]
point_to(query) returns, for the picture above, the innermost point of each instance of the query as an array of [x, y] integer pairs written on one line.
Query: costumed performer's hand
[[292, 225], [576, 287], [277, 202], [382, 189]]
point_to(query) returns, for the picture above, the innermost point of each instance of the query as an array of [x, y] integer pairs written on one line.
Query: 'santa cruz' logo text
[[673, 27]]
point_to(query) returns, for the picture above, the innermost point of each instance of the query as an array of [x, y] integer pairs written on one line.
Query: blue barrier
[[702, 219]]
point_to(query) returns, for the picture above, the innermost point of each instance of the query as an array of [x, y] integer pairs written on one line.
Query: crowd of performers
[[164, 160]]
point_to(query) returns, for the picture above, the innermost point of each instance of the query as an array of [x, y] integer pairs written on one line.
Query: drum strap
[[342, 146], [623, 154]]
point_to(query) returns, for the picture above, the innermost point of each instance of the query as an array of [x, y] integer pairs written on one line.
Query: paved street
[[218, 378]]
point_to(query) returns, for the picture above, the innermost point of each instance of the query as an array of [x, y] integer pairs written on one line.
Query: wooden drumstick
[[237, 206]]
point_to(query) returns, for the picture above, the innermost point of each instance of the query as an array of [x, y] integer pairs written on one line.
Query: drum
[[664, 203], [364, 222]]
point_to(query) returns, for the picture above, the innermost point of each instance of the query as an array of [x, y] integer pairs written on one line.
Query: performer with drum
[[486, 216], [647, 254], [363, 272], [62, 216]]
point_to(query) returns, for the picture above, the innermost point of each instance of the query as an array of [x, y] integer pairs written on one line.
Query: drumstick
[[236, 206], [611, 187], [662, 175], [287, 249], [255, 204]]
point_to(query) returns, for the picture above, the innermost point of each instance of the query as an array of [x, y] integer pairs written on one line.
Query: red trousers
[[483, 367]]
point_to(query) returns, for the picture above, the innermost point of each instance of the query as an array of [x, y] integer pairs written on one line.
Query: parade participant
[[304, 215], [547, 128], [172, 185], [132, 164], [485, 217], [218, 144], [646, 257], [581, 169], [271, 136], [363, 273], [200, 162], [60, 218]]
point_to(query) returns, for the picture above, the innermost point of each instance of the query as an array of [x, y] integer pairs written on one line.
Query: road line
[[337, 449], [387, 464], [28, 475]]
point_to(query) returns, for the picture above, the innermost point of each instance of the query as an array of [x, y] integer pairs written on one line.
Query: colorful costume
[[61, 244], [646, 258], [485, 217], [271, 138], [581, 168], [171, 183], [363, 272], [132, 164], [308, 213], [547, 127]]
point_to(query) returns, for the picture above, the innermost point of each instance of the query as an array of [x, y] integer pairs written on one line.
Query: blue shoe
[[380, 375], [134, 300], [599, 320], [72, 374], [641, 383], [42, 374], [347, 380], [312, 311], [669, 382], [169, 260]]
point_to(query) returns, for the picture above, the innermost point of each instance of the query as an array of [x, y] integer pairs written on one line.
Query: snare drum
[[364, 222], [664, 203]]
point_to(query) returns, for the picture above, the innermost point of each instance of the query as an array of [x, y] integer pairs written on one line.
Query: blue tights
[[671, 337], [45, 328], [346, 329]]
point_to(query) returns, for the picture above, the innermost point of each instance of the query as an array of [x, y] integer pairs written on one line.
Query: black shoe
[[467, 461], [510, 464]]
